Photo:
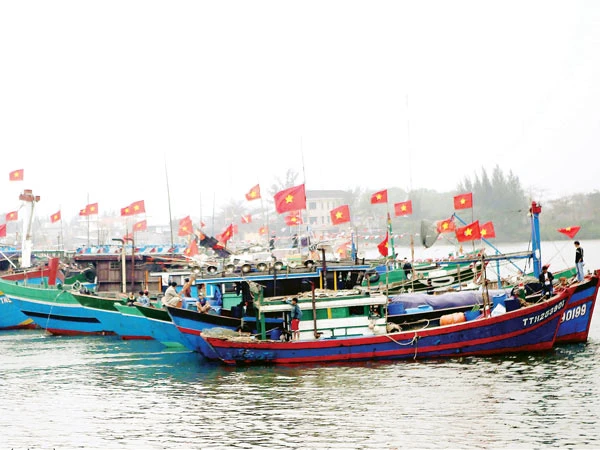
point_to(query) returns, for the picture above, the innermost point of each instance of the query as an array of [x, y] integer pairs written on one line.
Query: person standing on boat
[[579, 261], [186, 290], [407, 267], [171, 297], [546, 278], [295, 316]]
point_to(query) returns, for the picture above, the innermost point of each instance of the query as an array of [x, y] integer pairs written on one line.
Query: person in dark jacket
[[579, 261], [546, 278]]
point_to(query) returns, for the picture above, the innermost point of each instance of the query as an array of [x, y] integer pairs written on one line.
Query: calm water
[[85, 392]]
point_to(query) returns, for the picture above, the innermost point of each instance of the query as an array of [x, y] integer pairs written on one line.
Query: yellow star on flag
[[339, 215], [468, 232], [483, 232], [289, 198]]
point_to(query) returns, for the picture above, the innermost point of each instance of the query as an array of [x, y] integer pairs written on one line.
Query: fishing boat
[[423, 277], [162, 327], [11, 317], [53, 309], [412, 310], [577, 318], [527, 329], [107, 310]]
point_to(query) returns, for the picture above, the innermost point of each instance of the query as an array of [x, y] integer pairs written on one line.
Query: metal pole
[[123, 272]]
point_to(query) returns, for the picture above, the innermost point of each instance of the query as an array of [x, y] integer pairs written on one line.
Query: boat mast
[[535, 211], [169, 200], [26, 246]]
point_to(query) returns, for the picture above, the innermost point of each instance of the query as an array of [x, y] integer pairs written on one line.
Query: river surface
[[101, 392]]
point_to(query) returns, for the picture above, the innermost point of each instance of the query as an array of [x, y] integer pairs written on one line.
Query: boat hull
[[191, 324], [577, 318], [162, 327], [528, 329], [11, 317], [54, 310]]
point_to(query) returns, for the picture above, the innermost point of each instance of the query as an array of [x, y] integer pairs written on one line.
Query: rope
[[414, 340]]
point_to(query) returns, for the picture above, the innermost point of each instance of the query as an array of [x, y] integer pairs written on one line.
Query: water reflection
[[99, 392]]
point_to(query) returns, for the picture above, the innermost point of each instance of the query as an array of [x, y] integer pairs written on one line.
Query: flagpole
[[169, 200], [304, 182], [389, 220], [62, 237], [88, 220]]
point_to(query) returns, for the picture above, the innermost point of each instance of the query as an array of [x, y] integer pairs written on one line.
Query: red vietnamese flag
[[128, 237], [92, 208], [55, 217], [262, 230], [254, 193], [247, 218], [140, 226], [379, 197], [3, 230], [293, 219], [383, 246], [127, 211], [469, 232], [13, 215], [445, 226], [487, 231], [290, 199], [341, 214], [185, 226], [16, 175], [138, 207], [403, 208], [192, 249], [226, 235], [463, 201], [570, 231]]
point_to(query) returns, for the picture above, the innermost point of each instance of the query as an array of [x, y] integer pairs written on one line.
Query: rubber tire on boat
[[261, 267], [373, 277], [309, 263], [211, 269], [278, 265], [229, 268], [246, 268], [90, 275], [76, 286]]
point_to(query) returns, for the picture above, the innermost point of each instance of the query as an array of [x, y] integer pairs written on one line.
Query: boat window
[[358, 310]]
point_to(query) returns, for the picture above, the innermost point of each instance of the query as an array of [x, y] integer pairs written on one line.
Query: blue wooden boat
[[53, 309], [192, 323], [106, 310], [577, 317], [162, 327], [527, 329], [11, 317]]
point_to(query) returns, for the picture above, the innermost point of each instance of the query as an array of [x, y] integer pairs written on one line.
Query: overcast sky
[[100, 100]]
